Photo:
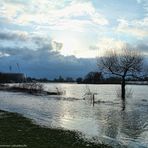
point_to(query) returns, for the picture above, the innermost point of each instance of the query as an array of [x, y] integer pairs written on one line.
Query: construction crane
[[19, 70]]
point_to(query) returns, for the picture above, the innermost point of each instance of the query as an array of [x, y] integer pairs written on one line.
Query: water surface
[[105, 122]]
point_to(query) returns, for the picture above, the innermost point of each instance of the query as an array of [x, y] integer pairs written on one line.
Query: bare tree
[[128, 63]]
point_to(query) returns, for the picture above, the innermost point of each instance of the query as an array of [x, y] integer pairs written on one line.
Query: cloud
[[145, 6], [22, 2], [4, 54], [77, 9], [143, 47], [107, 43], [56, 45], [137, 28], [21, 39], [13, 35], [44, 61], [51, 13]]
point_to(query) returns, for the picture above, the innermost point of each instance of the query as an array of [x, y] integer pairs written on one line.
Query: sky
[[48, 38]]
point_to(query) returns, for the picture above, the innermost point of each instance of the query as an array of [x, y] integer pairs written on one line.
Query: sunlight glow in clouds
[[94, 22]]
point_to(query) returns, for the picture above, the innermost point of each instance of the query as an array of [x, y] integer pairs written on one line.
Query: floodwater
[[104, 122]]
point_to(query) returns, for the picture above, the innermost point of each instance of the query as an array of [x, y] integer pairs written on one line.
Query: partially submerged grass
[[19, 131], [31, 88]]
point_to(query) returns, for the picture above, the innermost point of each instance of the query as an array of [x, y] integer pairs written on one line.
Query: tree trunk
[[123, 93], [123, 105], [123, 89]]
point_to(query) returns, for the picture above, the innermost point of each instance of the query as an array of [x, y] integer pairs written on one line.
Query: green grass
[[18, 130]]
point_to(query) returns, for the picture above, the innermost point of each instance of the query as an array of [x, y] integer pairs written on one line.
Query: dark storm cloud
[[25, 37], [43, 61], [12, 36], [143, 47]]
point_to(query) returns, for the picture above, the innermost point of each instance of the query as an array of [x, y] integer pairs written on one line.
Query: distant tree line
[[98, 78], [59, 79], [92, 77]]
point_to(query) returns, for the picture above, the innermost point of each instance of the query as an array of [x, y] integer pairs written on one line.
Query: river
[[104, 122]]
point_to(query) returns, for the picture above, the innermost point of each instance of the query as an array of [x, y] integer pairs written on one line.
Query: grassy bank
[[18, 131]]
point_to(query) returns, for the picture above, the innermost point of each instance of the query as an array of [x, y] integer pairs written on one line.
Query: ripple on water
[[104, 122]]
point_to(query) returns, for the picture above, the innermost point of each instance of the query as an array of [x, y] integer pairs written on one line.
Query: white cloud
[[110, 43], [107, 43], [4, 55], [137, 28], [51, 13], [145, 5]]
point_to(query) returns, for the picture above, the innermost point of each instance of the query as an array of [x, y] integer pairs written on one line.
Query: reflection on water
[[105, 121]]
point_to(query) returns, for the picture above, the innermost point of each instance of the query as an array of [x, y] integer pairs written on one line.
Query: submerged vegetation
[[16, 130], [31, 88]]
